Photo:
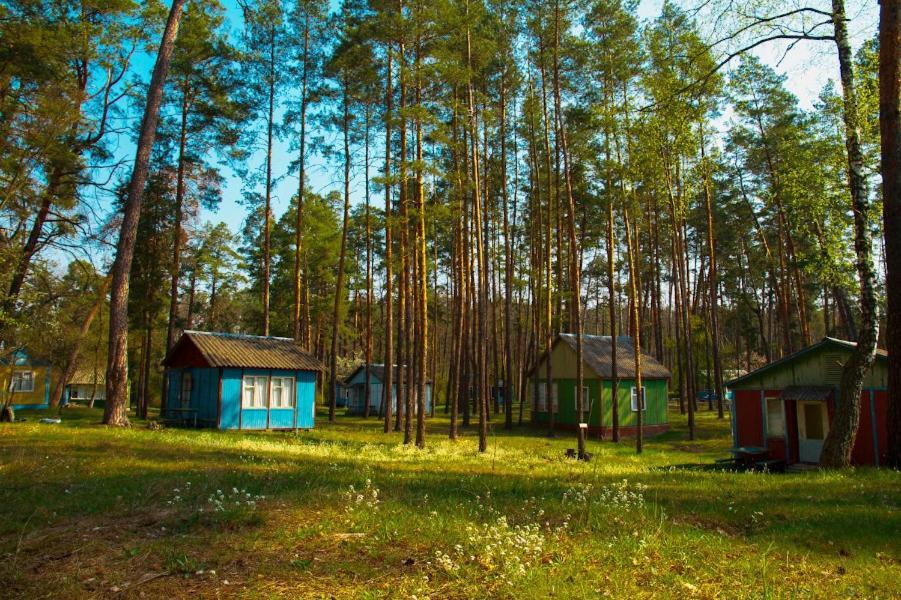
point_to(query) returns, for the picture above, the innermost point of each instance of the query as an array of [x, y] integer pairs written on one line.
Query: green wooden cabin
[[597, 375]]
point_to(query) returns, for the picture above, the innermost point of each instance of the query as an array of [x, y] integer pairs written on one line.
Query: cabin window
[[256, 392], [186, 383], [282, 396], [542, 397], [634, 397], [586, 399], [22, 381], [775, 420]]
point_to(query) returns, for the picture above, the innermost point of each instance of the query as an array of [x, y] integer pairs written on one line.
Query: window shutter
[[832, 367]]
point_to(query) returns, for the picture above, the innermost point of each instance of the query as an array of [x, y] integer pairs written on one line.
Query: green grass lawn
[[346, 511]]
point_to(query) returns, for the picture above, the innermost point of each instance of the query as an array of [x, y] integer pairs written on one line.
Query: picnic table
[[757, 458], [186, 415], [744, 457], [749, 452]]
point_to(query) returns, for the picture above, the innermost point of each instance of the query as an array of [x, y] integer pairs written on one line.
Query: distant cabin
[[231, 381], [355, 391], [597, 376], [26, 379], [787, 405], [86, 384]]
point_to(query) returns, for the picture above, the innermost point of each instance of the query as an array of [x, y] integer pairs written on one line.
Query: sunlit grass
[[347, 511]]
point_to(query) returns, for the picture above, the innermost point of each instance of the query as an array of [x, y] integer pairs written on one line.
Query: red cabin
[[787, 405]]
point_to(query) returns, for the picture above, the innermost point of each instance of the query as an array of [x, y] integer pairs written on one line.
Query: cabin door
[[813, 425]]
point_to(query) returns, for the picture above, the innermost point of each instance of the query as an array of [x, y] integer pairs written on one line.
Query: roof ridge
[[227, 334]]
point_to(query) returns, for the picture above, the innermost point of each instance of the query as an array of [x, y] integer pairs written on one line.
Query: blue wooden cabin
[[354, 390], [231, 381]]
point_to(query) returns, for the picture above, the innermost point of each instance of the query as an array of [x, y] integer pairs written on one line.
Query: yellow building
[[25, 381]]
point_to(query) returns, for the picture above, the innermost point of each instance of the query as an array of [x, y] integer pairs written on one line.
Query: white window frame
[[775, 432], [586, 399], [289, 388], [542, 397], [18, 379], [250, 382], [634, 400]]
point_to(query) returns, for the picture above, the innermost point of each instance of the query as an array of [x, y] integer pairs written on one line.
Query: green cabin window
[[22, 381], [775, 418], [586, 399], [541, 405], [634, 396]]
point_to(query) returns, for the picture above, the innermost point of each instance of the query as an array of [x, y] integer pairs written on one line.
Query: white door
[[813, 425]]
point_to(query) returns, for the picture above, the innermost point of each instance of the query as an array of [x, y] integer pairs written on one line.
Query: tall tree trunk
[[403, 323], [117, 362], [178, 231], [611, 287], [632, 247], [144, 402], [508, 265], [574, 266], [267, 210], [549, 219], [339, 284], [367, 393], [422, 271], [298, 223], [890, 128], [839, 441], [388, 387], [192, 294], [481, 387], [713, 285]]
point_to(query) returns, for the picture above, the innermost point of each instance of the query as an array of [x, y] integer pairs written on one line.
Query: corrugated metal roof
[[249, 351], [807, 392], [596, 353], [85, 376]]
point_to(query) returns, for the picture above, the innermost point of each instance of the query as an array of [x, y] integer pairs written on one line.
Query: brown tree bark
[[367, 349], [482, 270], [300, 333], [117, 366], [388, 383], [574, 266], [267, 209], [611, 302], [178, 233], [339, 283], [713, 286], [632, 250], [508, 263], [422, 329], [890, 129], [839, 441]]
